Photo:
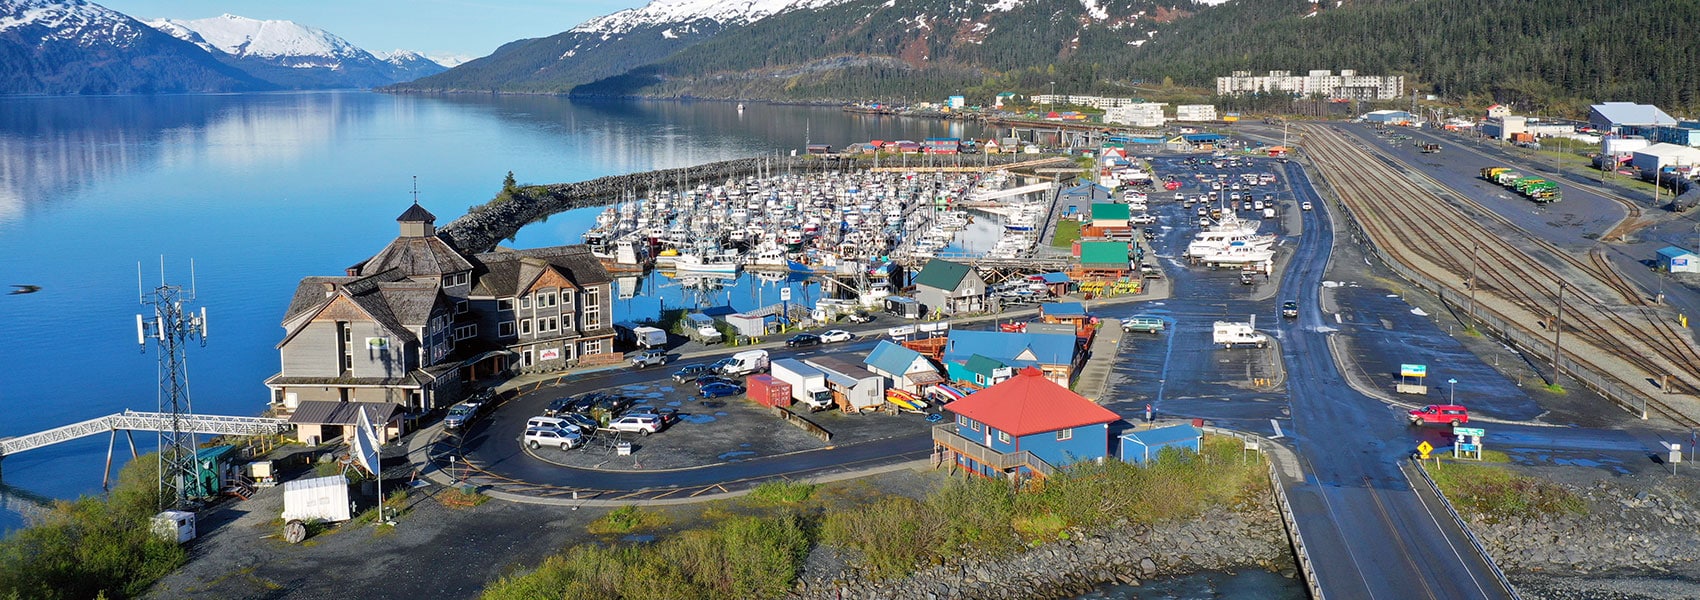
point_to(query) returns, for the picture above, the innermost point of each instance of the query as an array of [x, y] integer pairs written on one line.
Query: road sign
[[1469, 431], [784, 294], [1425, 448], [1466, 447], [1413, 370]]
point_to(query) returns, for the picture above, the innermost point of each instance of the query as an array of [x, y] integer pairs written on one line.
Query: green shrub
[[974, 514], [627, 519], [92, 547], [894, 534], [1497, 493]]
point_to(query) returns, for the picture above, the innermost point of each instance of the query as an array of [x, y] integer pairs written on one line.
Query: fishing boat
[[708, 262]]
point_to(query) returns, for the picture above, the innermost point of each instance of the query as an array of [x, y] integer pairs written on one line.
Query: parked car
[[718, 389], [720, 365], [537, 437], [860, 317], [584, 402], [586, 425], [1248, 278], [613, 404], [713, 379], [803, 339], [1448, 414], [551, 423], [666, 415], [559, 407], [1150, 271], [643, 424], [649, 358], [837, 335], [689, 372], [459, 415]]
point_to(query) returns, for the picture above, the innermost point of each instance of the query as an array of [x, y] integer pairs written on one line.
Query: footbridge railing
[[144, 421]]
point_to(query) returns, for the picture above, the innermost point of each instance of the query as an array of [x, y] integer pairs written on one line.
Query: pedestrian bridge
[[143, 421]]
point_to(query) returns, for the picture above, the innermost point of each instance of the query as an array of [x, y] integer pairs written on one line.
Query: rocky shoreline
[[1221, 539], [1639, 538]]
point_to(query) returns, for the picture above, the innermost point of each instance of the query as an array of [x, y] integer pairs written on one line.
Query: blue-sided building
[[1672, 259], [1140, 447], [1053, 353], [1024, 427]]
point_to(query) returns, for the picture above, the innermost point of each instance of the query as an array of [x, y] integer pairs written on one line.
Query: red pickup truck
[[1447, 414]]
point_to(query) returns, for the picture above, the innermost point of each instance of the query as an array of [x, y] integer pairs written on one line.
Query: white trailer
[[808, 384], [1229, 334], [650, 337], [745, 363], [316, 499]]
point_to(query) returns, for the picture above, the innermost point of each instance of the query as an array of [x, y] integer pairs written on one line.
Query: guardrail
[[1474, 541], [801, 422], [1300, 552]]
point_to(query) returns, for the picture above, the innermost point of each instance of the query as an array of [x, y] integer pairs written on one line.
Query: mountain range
[[78, 47], [1551, 53]]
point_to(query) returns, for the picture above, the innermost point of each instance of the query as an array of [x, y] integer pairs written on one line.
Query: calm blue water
[[261, 190]]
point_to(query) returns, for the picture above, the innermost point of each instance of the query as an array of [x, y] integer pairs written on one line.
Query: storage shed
[[950, 288], [853, 387], [1676, 260], [1659, 156], [1110, 215], [1104, 256], [1140, 447], [907, 369]]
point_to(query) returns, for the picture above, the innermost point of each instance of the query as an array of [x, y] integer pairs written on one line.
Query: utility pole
[[1474, 260], [1558, 334]]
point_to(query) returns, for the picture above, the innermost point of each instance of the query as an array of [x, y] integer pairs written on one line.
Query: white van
[[551, 423]]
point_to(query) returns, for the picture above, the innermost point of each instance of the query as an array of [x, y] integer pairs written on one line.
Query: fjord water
[[261, 190]]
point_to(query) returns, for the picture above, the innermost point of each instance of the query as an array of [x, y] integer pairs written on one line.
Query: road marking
[[1337, 319], [1422, 500], [1277, 426]]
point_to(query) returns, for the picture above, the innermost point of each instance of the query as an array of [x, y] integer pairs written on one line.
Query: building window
[[525, 358], [566, 322], [466, 332], [592, 317], [461, 307], [567, 299], [961, 421], [504, 304], [590, 297], [593, 347], [525, 327], [1003, 437], [455, 279], [525, 301], [1065, 435], [545, 324], [973, 425], [546, 300], [505, 329]]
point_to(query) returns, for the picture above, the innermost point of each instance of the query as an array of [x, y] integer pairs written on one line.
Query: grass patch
[[1497, 493], [1554, 388], [627, 519], [1068, 231], [1041, 528], [462, 497], [777, 492], [395, 504], [92, 547], [737, 559]]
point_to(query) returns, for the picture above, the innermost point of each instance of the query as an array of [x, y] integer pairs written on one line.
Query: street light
[[1452, 391], [1053, 96]]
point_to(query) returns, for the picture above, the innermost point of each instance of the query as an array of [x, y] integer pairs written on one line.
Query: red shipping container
[[767, 391]]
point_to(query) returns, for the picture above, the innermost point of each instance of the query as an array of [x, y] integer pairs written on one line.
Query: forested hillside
[[1551, 54]]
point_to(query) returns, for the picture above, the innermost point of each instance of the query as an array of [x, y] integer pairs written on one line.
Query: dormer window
[[456, 279]]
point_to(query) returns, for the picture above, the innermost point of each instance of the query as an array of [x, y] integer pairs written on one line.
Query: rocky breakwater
[[485, 225], [1638, 537], [1250, 537]]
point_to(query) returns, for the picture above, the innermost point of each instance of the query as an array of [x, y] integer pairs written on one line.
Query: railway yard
[[1606, 331]]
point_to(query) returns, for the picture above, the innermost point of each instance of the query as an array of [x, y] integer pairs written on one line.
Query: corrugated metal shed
[[1142, 446]]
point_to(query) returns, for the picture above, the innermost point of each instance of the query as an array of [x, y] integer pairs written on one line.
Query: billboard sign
[[1413, 370]]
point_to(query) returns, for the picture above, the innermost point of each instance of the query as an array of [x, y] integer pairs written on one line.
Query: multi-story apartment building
[[1348, 85], [419, 320]]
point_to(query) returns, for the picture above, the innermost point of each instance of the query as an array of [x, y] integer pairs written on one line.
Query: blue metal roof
[[891, 358], [1063, 309], [1087, 189], [1615, 114], [1674, 252], [1046, 348], [1054, 277], [1204, 137], [1164, 435]]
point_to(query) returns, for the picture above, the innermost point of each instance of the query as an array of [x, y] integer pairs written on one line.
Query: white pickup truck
[[1230, 334]]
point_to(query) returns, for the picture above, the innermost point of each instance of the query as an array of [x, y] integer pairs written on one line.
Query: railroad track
[[1601, 309]]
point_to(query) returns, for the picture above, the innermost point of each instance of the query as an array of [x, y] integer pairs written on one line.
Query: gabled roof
[[1028, 403], [1088, 189], [942, 274], [506, 272], [892, 358], [1104, 253], [1063, 309], [1054, 277], [1110, 211], [397, 304], [982, 364], [1674, 252], [1042, 348], [1630, 113], [331, 412]]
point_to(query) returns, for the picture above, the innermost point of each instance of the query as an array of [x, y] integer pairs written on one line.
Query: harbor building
[[1023, 427], [1348, 85], [1195, 112], [1144, 114], [419, 320], [949, 288]]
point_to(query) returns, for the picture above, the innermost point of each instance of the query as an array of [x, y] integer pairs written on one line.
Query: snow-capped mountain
[[77, 47], [295, 55], [670, 12]]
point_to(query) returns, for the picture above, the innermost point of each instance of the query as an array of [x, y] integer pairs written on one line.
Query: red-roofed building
[[1025, 426]]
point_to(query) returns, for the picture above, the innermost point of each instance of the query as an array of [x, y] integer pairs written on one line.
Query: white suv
[[643, 424], [537, 437]]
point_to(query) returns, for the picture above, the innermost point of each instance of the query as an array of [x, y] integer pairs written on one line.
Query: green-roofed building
[[949, 288], [1104, 256], [1110, 215]]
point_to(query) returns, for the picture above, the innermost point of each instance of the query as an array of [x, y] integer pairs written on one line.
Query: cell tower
[[172, 328]]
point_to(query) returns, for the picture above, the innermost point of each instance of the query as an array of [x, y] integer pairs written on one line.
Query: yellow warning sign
[[1425, 448]]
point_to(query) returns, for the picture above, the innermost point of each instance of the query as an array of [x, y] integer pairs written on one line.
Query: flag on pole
[[366, 444]]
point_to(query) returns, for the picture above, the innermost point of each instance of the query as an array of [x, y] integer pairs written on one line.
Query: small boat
[[905, 401], [944, 394]]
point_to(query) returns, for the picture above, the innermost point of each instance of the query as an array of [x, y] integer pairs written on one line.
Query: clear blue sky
[[469, 28]]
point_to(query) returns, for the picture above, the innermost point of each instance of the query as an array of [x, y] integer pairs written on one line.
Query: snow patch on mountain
[[244, 37], [667, 12], [70, 20]]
